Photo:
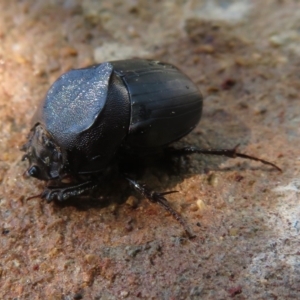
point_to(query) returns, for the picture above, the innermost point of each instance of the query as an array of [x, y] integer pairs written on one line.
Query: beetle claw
[[35, 196]]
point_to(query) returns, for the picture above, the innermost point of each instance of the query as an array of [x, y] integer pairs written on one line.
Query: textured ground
[[245, 58]]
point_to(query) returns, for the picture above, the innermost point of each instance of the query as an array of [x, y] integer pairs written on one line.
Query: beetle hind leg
[[64, 193], [161, 200], [232, 153]]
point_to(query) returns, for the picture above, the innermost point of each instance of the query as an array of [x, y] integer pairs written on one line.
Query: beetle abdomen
[[165, 103]]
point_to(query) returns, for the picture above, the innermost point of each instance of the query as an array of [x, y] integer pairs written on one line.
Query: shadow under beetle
[[94, 118]]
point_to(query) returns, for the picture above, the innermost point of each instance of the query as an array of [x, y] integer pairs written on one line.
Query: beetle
[[96, 117]]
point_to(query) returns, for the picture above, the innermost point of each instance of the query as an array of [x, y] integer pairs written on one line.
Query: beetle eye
[[33, 171]]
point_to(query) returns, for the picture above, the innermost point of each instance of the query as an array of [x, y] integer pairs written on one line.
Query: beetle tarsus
[[64, 193], [231, 153], [160, 199]]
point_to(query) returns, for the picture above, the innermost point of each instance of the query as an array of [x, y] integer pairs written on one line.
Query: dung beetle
[[94, 118]]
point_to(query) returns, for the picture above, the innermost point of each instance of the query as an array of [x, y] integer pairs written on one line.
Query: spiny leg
[[232, 153], [64, 193], [160, 199]]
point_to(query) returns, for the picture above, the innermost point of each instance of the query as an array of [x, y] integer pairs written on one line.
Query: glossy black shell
[[165, 104], [128, 105]]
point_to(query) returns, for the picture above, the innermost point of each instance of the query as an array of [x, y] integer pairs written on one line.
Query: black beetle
[[92, 118]]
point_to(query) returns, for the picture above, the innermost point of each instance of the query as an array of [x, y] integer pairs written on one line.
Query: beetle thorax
[[45, 157]]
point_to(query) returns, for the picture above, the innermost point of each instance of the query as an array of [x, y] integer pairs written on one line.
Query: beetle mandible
[[92, 118]]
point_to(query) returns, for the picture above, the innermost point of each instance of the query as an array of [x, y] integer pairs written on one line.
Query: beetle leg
[[232, 153], [64, 193], [160, 199]]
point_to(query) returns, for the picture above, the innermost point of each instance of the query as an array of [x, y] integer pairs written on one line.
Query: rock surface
[[244, 56]]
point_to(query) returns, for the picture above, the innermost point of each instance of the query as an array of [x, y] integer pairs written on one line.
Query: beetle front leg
[[160, 199], [232, 153], [64, 193]]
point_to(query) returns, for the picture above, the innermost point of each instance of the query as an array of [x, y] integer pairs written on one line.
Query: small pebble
[[124, 294], [132, 201], [201, 205], [231, 199], [212, 179], [194, 207], [233, 231]]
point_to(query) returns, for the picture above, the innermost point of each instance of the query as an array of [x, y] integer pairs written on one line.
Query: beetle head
[[45, 157]]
